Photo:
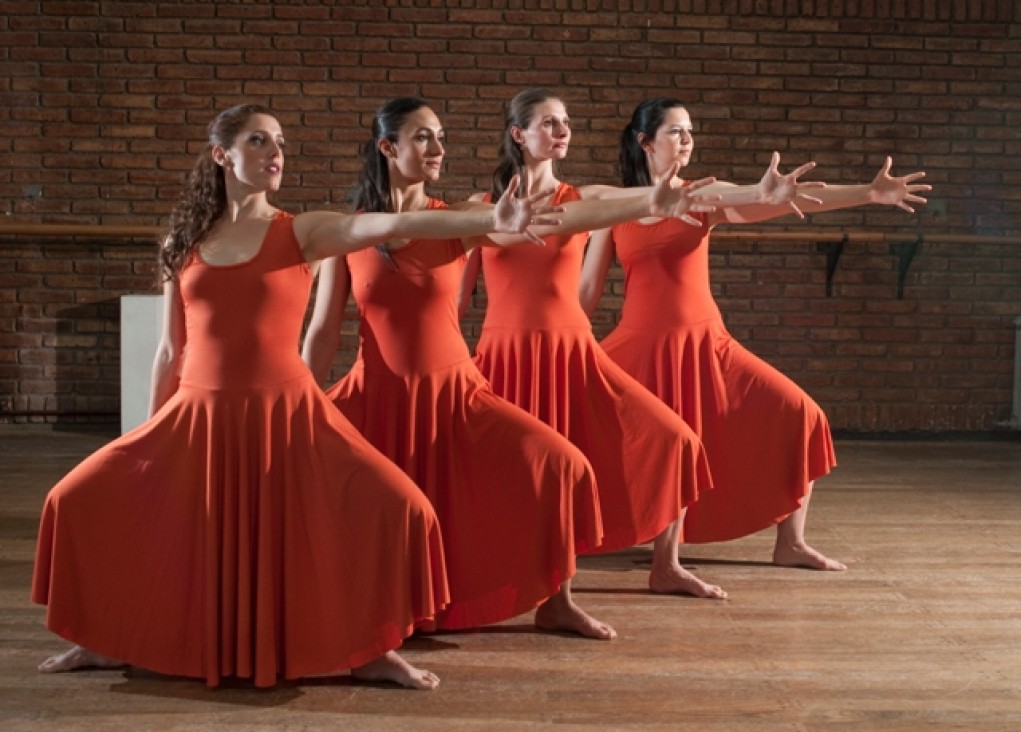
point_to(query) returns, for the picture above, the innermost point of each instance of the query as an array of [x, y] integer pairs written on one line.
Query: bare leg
[[559, 612], [391, 667], [668, 576], [75, 658], [791, 549]]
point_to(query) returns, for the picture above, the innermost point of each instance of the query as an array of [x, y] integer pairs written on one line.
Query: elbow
[[167, 358], [318, 351], [464, 300], [588, 302]]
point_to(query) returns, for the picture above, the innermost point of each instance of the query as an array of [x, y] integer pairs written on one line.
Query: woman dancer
[[246, 529], [538, 351], [766, 440], [515, 499]]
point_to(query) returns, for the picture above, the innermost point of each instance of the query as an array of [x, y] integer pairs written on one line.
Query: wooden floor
[[922, 632]]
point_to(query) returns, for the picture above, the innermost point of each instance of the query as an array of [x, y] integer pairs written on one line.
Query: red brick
[[747, 96]]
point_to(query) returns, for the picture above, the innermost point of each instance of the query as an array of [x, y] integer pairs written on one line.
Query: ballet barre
[[831, 242]]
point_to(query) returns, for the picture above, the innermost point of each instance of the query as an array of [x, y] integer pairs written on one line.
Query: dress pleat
[[537, 350], [515, 499], [247, 529], [765, 438]]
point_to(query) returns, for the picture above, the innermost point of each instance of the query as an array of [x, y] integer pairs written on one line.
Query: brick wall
[[104, 106]]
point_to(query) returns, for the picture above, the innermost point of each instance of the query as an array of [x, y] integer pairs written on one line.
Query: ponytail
[[520, 112], [645, 121], [372, 191]]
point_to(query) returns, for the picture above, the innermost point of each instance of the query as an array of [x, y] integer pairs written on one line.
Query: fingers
[[540, 211], [672, 172], [544, 220], [701, 183], [887, 164], [774, 163], [800, 214], [801, 170], [512, 186], [809, 198], [904, 206], [690, 220], [534, 238]]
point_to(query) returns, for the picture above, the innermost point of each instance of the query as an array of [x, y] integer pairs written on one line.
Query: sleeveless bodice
[[666, 273], [408, 305], [243, 321], [536, 287]]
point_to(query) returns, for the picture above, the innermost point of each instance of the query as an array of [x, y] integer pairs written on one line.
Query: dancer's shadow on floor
[[631, 559], [640, 559], [231, 691], [242, 692]]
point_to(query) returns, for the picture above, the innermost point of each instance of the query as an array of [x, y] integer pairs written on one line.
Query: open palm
[[898, 191], [514, 215]]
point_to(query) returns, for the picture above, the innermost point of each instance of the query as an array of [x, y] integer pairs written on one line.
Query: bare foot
[[74, 658], [391, 667], [802, 555], [560, 613], [676, 580]]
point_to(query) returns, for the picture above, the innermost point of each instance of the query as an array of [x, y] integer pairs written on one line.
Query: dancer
[[537, 350], [247, 529], [766, 440], [515, 499]]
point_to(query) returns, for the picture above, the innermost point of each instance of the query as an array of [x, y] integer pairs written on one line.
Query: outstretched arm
[[884, 189], [602, 209], [469, 278], [598, 257], [775, 194], [323, 336], [324, 234]]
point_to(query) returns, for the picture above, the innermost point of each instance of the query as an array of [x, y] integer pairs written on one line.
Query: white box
[[141, 328]]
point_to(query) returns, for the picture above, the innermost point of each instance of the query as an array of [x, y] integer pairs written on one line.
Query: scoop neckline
[[258, 252]]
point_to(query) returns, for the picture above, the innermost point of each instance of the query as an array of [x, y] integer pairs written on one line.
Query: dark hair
[[520, 112], [646, 120], [372, 191], [204, 198]]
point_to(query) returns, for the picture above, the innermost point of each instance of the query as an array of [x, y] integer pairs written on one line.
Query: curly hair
[[204, 197]]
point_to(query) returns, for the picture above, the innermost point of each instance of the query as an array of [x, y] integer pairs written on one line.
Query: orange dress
[[765, 438], [246, 529], [537, 350], [514, 498]]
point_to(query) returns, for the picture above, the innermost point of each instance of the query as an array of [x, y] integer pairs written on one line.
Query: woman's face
[[418, 153], [548, 133], [671, 144], [256, 158]]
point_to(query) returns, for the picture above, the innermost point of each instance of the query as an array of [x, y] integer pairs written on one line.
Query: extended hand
[[776, 189], [514, 215], [668, 200], [897, 191]]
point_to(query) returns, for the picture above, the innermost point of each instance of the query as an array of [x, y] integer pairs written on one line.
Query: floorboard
[[922, 632]]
